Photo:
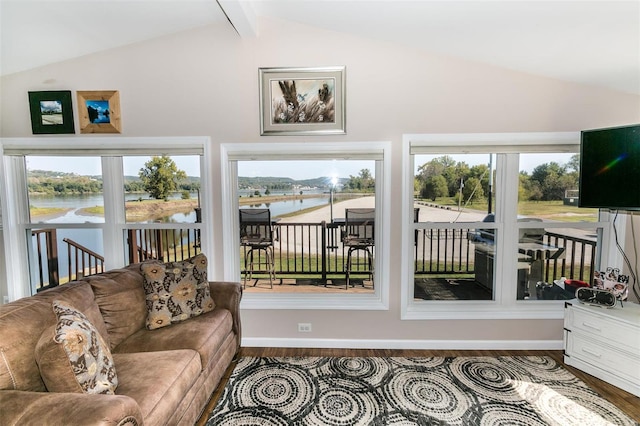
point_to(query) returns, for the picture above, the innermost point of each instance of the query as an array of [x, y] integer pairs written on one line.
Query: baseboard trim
[[404, 344]]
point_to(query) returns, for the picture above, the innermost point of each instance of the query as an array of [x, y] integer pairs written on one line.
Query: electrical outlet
[[304, 327]]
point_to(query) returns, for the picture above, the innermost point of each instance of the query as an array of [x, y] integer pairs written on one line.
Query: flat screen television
[[610, 168]]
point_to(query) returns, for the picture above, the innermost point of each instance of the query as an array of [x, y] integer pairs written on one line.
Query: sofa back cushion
[[23, 321], [120, 296]]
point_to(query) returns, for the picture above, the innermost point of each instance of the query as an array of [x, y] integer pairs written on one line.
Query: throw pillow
[[176, 291], [73, 357]]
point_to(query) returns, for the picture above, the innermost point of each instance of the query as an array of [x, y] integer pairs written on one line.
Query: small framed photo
[[302, 101], [99, 111], [51, 112]]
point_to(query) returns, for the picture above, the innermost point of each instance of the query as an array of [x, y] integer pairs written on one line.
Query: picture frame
[[302, 101], [99, 111], [51, 112]]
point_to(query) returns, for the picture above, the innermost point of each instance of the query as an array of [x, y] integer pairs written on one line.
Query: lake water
[[93, 239], [76, 202]]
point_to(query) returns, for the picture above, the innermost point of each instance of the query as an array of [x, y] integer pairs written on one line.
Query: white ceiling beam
[[241, 16]]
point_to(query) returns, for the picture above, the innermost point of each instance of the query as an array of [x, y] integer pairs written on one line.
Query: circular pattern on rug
[[300, 361], [427, 392], [488, 377], [337, 407], [427, 362], [370, 370], [282, 387], [249, 417], [497, 414], [573, 405], [541, 367]]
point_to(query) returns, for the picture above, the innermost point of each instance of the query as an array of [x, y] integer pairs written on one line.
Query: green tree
[[364, 182], [472, 190], [434, 187], [574, 163], [549, 177], [160, 176]]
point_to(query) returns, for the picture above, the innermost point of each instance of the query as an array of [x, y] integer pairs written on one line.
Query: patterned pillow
[[176, 291], [73, 357]]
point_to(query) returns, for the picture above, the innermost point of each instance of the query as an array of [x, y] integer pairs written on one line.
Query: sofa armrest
[[227, 295], [51, 408]]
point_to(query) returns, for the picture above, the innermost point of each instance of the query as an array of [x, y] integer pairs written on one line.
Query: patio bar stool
[[359, 238], [256, 236]]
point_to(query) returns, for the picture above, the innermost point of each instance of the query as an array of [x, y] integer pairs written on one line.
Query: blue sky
[[301, 169]]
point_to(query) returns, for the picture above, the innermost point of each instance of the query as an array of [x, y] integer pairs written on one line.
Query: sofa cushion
[[23, 321], [176, 291], [204, 334], [121, 299], [73, 356], [157, 381]]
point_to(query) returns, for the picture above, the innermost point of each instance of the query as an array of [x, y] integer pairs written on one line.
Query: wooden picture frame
[[99, 111], [51, 112], [302, 101]]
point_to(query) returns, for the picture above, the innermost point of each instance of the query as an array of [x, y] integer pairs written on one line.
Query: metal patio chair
[[256, 236], [359, 237]]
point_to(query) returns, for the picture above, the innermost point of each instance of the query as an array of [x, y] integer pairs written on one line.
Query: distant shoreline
[[150, 209]]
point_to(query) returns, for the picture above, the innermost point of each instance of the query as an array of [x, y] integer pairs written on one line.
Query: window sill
[[455, 310]]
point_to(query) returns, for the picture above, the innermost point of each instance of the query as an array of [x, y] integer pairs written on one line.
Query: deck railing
[[312, 250], [46, 253], [576, 261], [82, 261], [167, 245]]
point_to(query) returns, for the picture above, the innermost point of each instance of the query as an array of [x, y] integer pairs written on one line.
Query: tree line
[[445, 177], [159, 178]]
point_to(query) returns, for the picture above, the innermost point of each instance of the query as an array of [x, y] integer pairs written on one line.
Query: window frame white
[[230, 153], [111, 149], [504, 305]]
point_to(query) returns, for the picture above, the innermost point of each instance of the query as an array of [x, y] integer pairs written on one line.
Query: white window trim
[[231, 152], [505, 305], [15, 218]]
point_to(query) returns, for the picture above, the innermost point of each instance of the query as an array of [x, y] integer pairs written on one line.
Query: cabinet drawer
[[604, 329], [604, 357]]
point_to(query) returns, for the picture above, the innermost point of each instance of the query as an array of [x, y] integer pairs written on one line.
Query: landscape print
[[51, 113], [303, 101], [98, 111]]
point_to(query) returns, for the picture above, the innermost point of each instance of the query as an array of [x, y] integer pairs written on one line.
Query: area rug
[[409, 391]]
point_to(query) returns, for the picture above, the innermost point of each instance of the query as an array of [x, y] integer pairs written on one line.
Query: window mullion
[[15, 216], [114, 216], [507, 218]]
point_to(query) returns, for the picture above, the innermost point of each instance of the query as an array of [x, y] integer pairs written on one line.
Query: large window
[[306, 224], [496, 230], [75, 214]]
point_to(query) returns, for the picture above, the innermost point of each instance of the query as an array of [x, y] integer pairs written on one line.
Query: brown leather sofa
[[165, 376]]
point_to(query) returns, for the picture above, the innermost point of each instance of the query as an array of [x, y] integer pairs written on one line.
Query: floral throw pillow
[[176, 291], [73, 357]]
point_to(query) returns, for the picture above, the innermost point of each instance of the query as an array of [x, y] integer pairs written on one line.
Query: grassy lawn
[[552, 210], [47, 211]]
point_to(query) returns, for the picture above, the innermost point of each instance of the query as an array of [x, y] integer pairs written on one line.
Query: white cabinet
[[604, 342]]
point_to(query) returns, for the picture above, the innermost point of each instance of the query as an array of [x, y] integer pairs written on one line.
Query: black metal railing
[[313, 250], [576, 262], [443, 251]]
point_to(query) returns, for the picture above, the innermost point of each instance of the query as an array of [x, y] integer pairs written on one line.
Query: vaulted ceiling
[[590, 42]]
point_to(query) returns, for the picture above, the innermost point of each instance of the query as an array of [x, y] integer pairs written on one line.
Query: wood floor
[[625, 401]]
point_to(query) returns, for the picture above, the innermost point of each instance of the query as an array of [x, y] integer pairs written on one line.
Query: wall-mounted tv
[[610, 168]]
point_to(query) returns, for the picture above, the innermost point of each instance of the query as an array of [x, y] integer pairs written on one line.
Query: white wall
[[205, 82]]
